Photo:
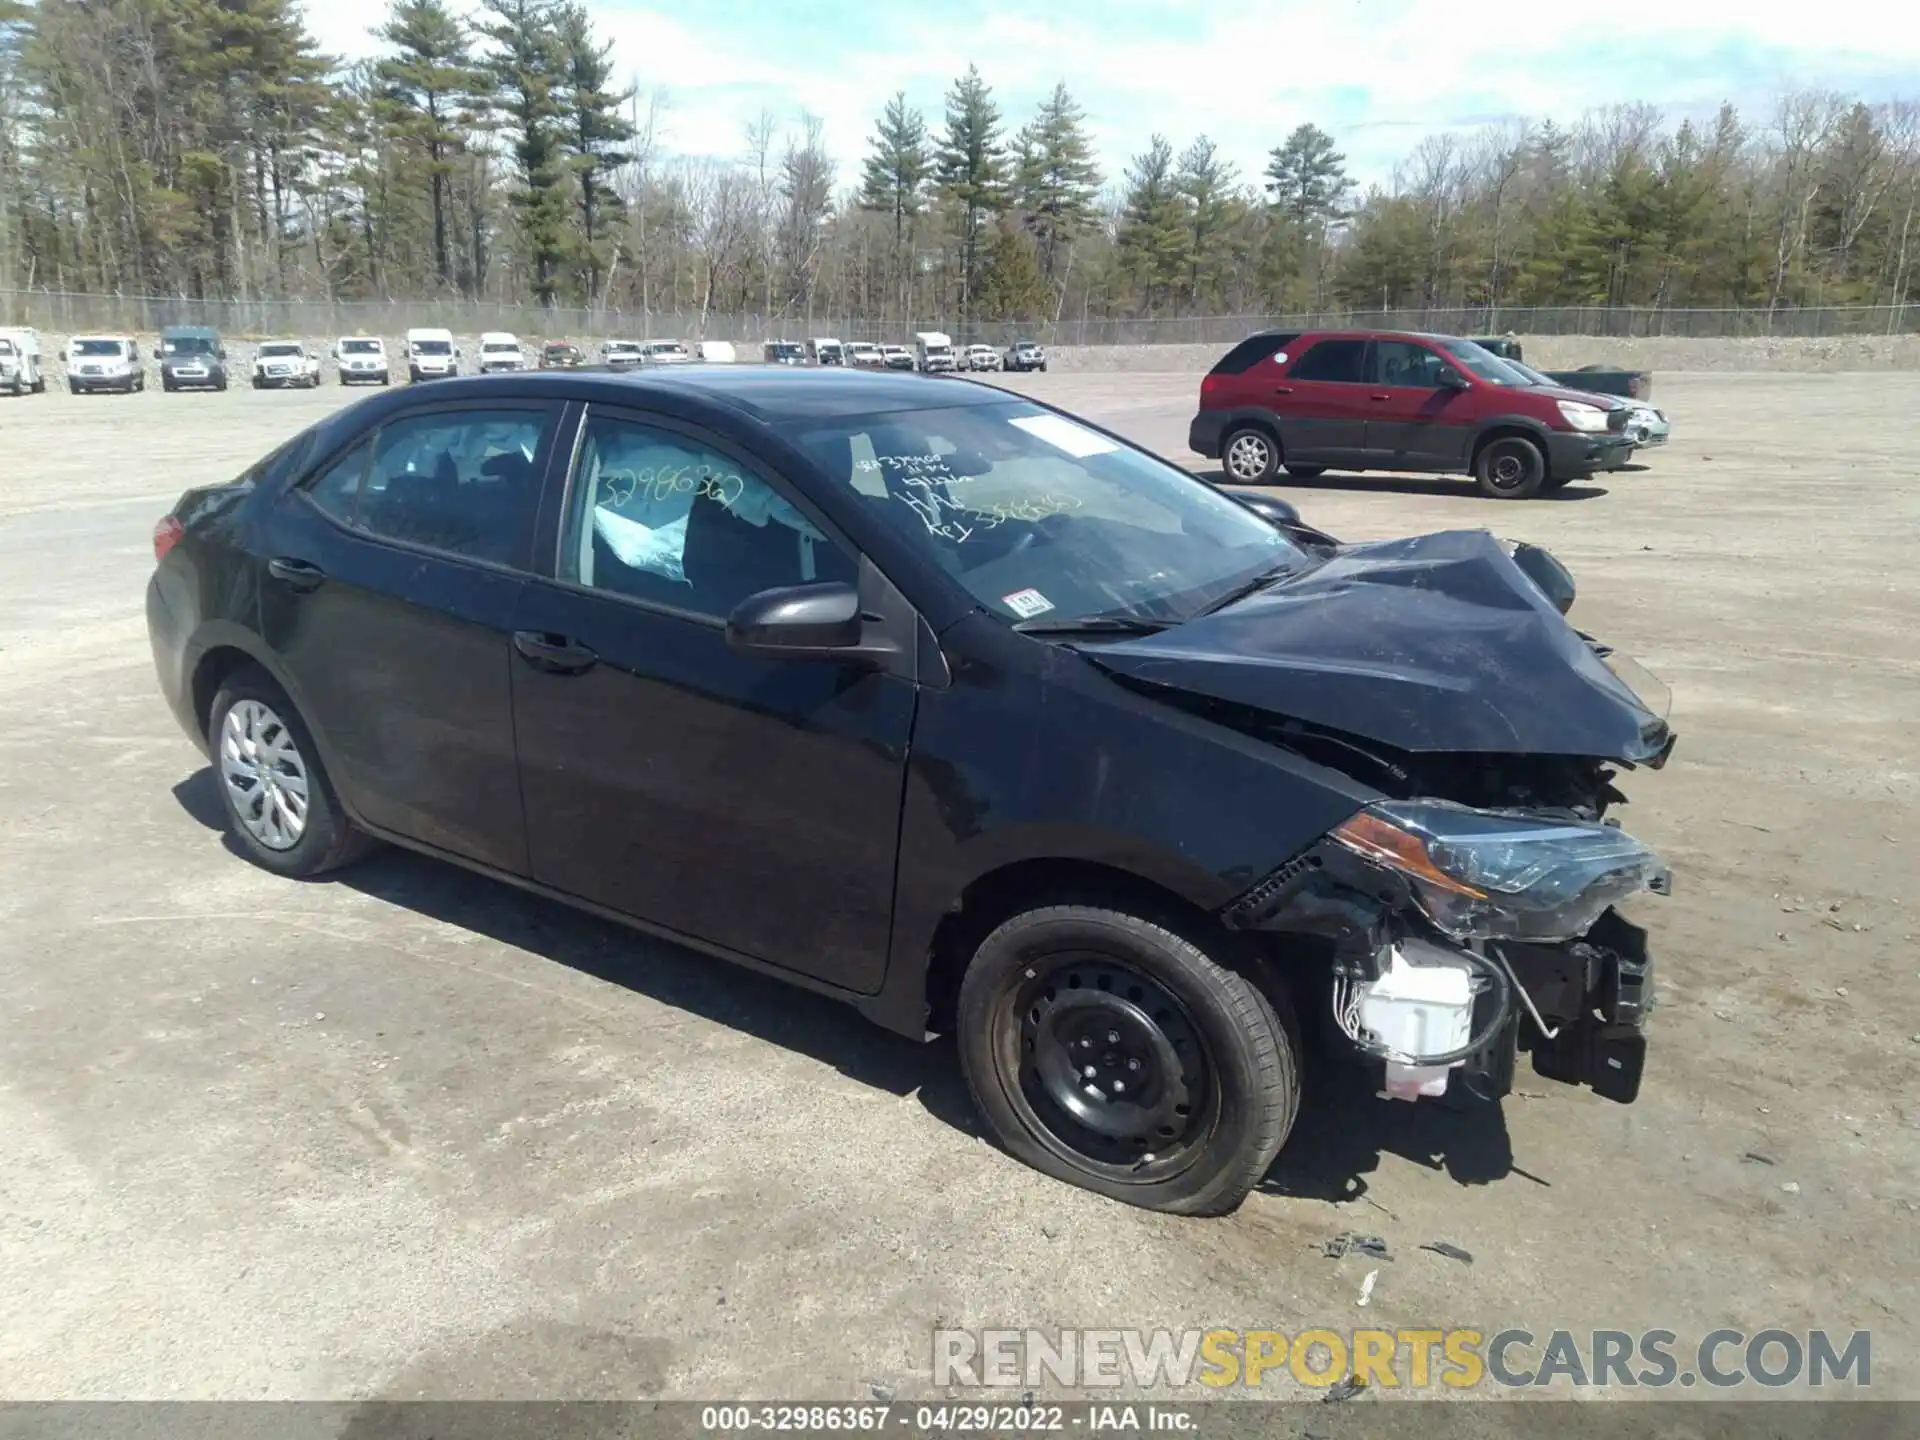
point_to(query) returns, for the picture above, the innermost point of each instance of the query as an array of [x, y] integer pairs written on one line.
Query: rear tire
[[1249, 455], [1306, 472], [1510, 468], [281, 809], [1056, 992]]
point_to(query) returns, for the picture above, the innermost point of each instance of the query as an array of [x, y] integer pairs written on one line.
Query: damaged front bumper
[[1577, 1006]]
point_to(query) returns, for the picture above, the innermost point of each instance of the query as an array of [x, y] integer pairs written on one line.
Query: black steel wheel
[[1110, 1052], [1510, 468]]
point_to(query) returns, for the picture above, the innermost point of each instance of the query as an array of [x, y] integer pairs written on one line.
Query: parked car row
[[932, 352], [1312, 401]]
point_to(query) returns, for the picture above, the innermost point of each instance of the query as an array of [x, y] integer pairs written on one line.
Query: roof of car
[[765, 392]]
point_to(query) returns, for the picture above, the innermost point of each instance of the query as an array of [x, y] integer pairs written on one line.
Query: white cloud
[[1377, 73]]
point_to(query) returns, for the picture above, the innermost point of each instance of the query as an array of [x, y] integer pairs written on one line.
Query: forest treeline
[[207, 148]]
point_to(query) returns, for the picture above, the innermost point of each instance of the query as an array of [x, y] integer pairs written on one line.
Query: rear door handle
[[1283, 389], [554, 653], [1382, 397], [297, 573]]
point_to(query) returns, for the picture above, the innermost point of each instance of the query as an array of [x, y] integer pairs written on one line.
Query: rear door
[[1413, 422], [1321, 403], [389, 597], [745, 802]]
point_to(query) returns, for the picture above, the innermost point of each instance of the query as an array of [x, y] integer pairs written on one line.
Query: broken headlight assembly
[[1491, 875]]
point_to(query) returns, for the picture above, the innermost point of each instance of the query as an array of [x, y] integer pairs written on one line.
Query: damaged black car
[[956, 708]]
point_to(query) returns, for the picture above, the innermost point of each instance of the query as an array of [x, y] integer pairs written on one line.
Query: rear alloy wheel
[[1110, 1052], [281, 809], [1306, 472], [1249, 456], [1510, 468]]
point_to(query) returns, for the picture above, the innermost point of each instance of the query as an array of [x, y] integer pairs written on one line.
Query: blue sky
[[1379, 74]]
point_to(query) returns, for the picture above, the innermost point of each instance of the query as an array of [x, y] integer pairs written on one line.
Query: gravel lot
[[411, 1133]]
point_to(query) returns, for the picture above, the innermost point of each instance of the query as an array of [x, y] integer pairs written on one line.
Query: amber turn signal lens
[[1380, 840]]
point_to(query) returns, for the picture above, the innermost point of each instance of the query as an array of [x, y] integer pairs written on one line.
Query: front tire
[[1249, 456], [1510, 468], [281, 809], [1110, 1052]]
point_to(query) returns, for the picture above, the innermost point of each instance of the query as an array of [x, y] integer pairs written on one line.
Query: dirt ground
[[410, 1133]]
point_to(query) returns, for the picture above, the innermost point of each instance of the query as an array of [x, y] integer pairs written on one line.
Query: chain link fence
[[60, 312]]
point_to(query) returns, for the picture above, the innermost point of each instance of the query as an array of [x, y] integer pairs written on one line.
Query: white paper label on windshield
[[1063, 434], [1027, 603]]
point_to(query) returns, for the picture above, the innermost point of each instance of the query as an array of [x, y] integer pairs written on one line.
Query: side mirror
[[1270, 508], [1451, 379], [797, 621]]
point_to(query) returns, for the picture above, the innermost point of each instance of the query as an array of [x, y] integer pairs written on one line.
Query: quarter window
[[658, 516], [1343, 361]]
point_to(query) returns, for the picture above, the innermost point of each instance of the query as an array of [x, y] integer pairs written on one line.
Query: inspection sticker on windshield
[[1027, 603], [1063, 434]]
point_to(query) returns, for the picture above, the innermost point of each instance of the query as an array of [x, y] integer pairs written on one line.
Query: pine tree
[[1056, 181], [1152, 235], [527, 68], [1011, 285], [1206, 180], [596, 129], [970, 166], [422, 87], [893, 177], [1307, 177]]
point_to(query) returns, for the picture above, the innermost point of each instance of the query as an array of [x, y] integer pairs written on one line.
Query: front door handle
[[554, 653], [298, 573], [1382, 397], [1283, 389]]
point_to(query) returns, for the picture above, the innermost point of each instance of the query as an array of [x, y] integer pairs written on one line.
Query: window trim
[[1366, 360], [555, 549], [526, 562]]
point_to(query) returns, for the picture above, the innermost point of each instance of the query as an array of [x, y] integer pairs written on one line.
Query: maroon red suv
[[1388, 400]]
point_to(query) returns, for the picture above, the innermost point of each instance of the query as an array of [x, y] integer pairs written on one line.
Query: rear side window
[[466, 482], [1248, 353], [1335, 360]]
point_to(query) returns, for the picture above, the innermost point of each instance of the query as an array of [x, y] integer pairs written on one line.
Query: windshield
[[494, 347], [6, 347], [433, 347], [563, 351], [1485, 364], [1039, 516], [187, 345], [279, 352], [667, 347], [359, 347], [114, 348]]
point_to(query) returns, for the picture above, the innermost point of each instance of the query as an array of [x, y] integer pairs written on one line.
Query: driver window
[[657, 516], [1413, 367]]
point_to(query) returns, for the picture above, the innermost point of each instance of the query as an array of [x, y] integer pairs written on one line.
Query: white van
[[104, 362], [20, 361], [362, 360], [826, 351], [431, 355], [714, 352], [500, 351], [933, 351]]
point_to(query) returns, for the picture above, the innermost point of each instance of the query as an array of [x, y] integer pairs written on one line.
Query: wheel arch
[[1025, 884], [1508, 427]]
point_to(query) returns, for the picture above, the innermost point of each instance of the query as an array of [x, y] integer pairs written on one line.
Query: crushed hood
[[1439, 642]]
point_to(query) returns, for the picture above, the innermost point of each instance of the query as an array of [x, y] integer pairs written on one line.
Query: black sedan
[[942, 702]]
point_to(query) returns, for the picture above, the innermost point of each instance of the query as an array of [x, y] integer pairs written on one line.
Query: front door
[[1321, 404], [1413, 421], [389, 597], [748, 803]]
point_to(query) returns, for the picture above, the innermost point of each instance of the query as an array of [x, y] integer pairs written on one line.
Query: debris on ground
[[1757, 1158], [1452, 1252], [1348, 1243], [1791, 1187], [1345, 1390], [1366, 1286]]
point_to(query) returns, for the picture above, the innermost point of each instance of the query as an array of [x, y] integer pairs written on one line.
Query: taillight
[[1209, 387], [166, 535]]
